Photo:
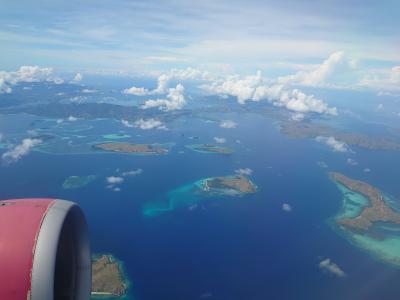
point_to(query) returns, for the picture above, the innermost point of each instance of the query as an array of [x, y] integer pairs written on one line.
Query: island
[[189, 195], [75, 182], [131, 148], [209, 148], [368, 218], [228, 185], [312, 130], [108, 278], [377, 209]]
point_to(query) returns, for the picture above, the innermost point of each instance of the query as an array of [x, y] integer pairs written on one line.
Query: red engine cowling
[[44, 251]]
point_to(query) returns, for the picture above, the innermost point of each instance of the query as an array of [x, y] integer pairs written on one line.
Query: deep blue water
[[237, 248]]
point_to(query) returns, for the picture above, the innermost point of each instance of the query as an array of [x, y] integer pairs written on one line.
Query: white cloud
[[255, 88], [380, 106], [386, 81], [114, 180], [220, 140], [322, 164], [126, 123], [137, 91], [149, 124], [78, 99], [228, 124], [175, 100], [56, 80], [20, 150], [352, 162], [23, 74], [286, 207], [245, 171], [72, 119], [77, 78], [132, 172], [297, 117], [334, 144], [88, 91], [329, 266], [330, 73], [164, 80], [367, 170]]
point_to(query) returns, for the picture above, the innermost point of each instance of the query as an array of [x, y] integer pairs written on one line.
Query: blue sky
[[241, 36]]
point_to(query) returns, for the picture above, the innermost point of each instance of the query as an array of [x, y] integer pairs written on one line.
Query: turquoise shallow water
[[382, 240]]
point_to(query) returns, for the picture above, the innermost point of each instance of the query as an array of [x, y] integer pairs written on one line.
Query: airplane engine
[[44, 251]]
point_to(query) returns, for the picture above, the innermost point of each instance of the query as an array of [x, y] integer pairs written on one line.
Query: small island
[[376, 211], [131, 148], [228, 185], [108, 278], [189, 195], [76, 182], [209, 148]]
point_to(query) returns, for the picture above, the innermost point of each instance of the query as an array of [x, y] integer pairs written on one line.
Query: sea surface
[[233, 248]]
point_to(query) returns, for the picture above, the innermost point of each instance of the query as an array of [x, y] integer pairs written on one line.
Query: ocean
[[233, 248]]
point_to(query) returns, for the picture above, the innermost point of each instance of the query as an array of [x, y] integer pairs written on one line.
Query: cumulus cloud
[[88, 91], [330, 73], [137, 91], [17, 152], [77, 78], [24, 74], [386, 81], [132, 172], [78, 99], [297, 117], [255, 88], [175, 100], [114, 180], [329, 266], [334, 144], [149, 124], [220, 140], [286, 207], [322, 164], [367, 170], [352, 162], [126, 123], [228, 124], [72, 119], [245, 171], [164, 80]]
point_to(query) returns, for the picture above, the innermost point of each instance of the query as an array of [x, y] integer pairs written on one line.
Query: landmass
[[75, 182], [108, 278], [131, 148], [228, 185], [189, 195], [312, 130], [376, 211], [209, 148]]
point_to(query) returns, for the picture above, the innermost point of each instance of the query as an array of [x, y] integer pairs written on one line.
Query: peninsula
[[376, 211], [107, 277], [312, 130], [131, 148]]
